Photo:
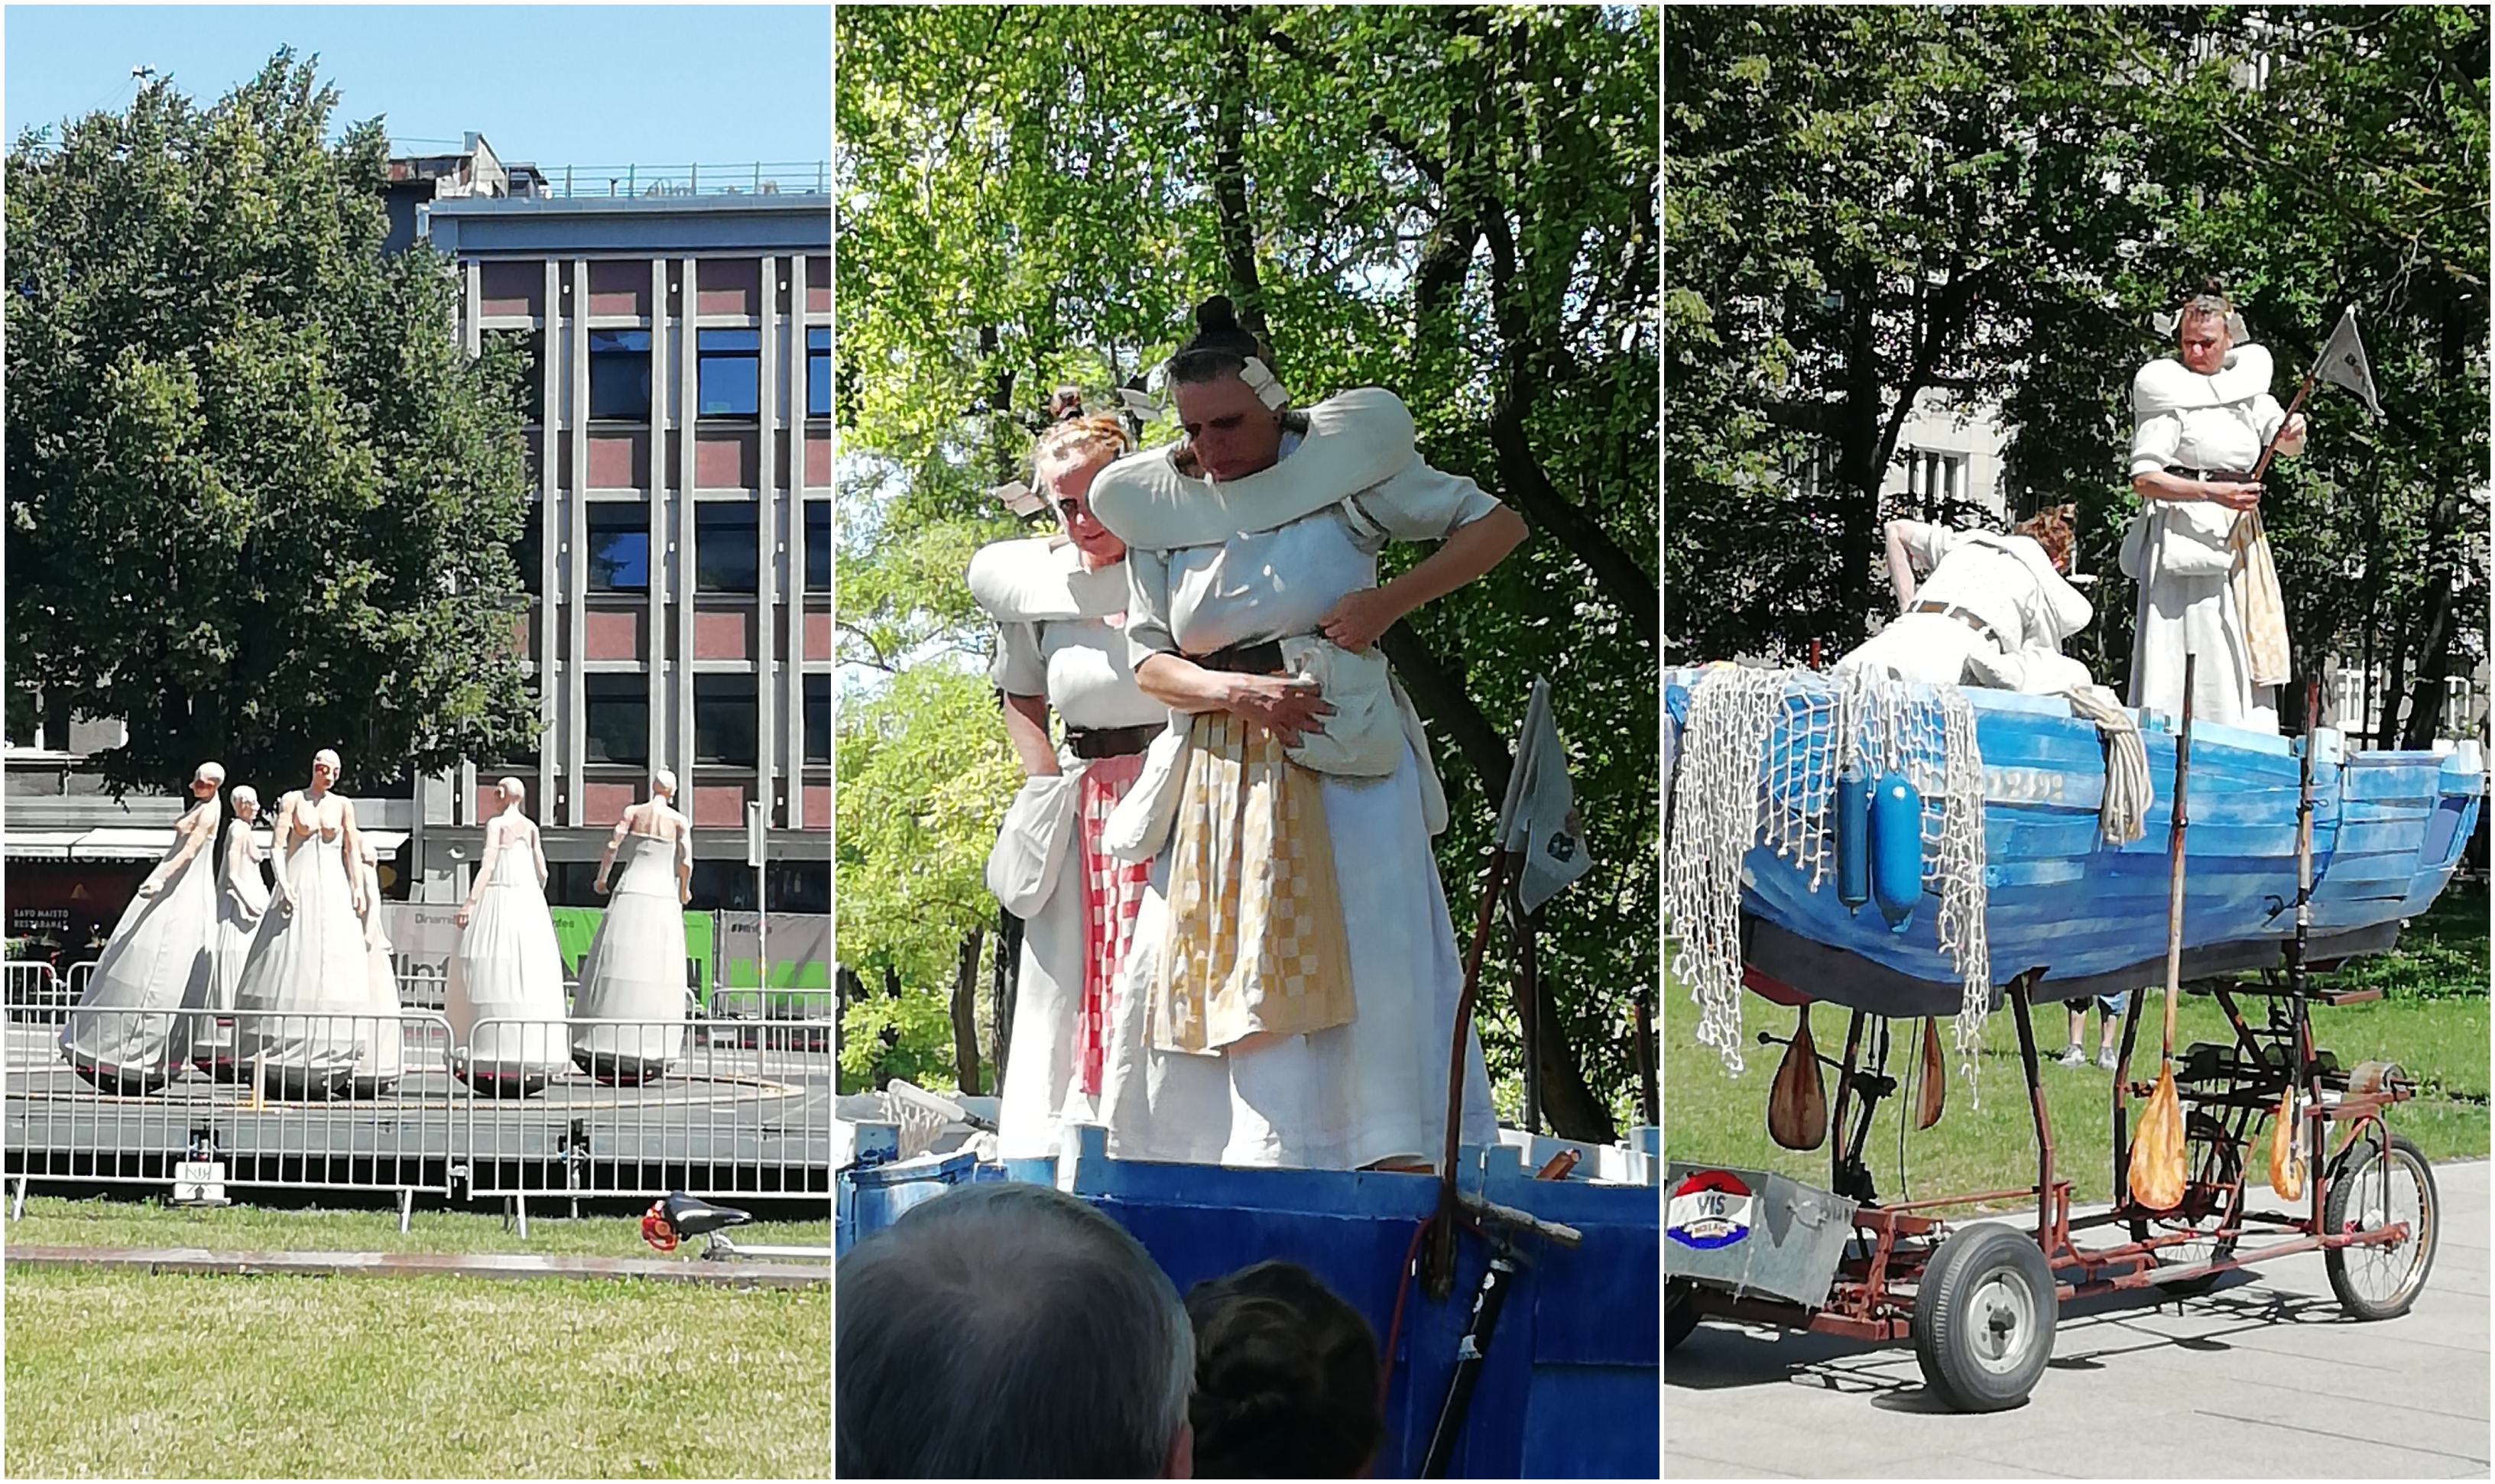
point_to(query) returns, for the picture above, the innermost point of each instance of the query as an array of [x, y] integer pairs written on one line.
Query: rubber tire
[[1680, 1315], [1969, 1258], [2335, 1211]]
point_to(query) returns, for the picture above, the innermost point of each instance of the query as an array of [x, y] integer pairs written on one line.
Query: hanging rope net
[[1757, 763]]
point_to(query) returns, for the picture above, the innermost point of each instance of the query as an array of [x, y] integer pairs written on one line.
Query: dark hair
[[1221, 345], [1007, 1330], [1285, 1377]]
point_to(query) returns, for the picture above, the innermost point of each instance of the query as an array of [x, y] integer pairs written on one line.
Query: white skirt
[[1344, 1098], [509, 972]]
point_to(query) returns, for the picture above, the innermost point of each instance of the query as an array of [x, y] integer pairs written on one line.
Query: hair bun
[[1217, 314]]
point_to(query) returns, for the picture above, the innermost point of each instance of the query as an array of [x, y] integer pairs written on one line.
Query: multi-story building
[[678, 543]]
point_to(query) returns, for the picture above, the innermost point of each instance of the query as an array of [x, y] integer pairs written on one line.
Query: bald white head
[[246, 799], [513, 789], [211, 773], [664, 782]]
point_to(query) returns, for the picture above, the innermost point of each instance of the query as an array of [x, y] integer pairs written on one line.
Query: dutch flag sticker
[[1710, 1209]]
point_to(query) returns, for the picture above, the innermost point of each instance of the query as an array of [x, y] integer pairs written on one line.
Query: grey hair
[[1007, 1330]]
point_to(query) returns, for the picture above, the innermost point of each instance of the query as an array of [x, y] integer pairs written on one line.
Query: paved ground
[[2262, 1378]]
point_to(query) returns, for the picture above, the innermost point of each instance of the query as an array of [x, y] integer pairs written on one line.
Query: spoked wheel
[[2372, 1187], [1984, 1317], [1679, 1315], [2213, 1198]]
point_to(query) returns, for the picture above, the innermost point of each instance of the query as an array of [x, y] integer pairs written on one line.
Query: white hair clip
[[1260, 380], [1140, 403]]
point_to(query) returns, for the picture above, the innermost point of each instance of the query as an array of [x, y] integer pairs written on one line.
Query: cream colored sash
[[1354, 440]]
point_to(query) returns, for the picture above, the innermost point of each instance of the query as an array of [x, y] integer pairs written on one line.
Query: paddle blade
[[1798, 1102], [2157, 1150], [1935, 1088], [2286, 1160]]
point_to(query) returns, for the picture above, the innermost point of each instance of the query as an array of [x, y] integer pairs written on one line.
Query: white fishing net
[[1759, 758]]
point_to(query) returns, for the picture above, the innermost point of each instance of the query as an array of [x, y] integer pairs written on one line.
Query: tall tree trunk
[[966, 1019], [1004, 987], [1233, 223]]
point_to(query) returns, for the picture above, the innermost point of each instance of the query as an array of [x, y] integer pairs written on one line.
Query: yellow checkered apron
[[1256, 944]]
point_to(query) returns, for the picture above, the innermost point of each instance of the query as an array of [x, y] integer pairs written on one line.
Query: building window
[[818, 546], [723, 729], [818, 718], [619, 374], [528, 553], [1935, 482], [722, 885], [617, 708], [619, 548], [731, 373], [819, 372], [725, 534]]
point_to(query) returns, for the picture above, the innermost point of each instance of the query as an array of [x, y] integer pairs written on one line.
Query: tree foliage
[[1457, 203], [1864, 205], [260, 499]]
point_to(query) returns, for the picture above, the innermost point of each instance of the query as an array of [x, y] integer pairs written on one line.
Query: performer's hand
[[2234, 497], [1285, 704], [2290, 440], [460, 917], [683, 895], [147, 888], [600, 885], [1358, 617]]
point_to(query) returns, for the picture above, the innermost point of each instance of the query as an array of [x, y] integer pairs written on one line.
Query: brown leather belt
[[1264, 658], [2212, 475], [1093, 742], [1970, 619]]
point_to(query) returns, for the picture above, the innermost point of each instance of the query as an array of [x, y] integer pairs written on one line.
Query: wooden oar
[[2157, 1157], [1798, 1102], [2286, 1158], [1935, 1088]]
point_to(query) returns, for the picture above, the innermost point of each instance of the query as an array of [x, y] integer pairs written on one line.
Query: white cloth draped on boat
[[2010, 584], [508, 970], [1057, 636], [308, 978], [242, 899], [634, 970], [123, 1034], [2187, 602], [1356, 1094]]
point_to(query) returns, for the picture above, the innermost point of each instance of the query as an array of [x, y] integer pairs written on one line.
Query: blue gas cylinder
[[1896, 849], [1854, 837]]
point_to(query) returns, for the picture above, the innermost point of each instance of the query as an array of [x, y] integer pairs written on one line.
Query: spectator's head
[[2051, 529], [1007, 1330], [1285, 1377]]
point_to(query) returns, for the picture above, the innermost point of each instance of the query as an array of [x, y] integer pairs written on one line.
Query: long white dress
[[124, 1035], [307, 980], [241, 901], [2178, 614], [1356, 1094], [1078, 658], [381, 1038], [634, 970], [509, 973]]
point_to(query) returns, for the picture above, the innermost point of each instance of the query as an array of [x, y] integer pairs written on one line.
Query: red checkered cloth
[[1112, 891]]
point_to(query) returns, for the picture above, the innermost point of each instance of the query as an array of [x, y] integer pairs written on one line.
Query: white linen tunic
[[1083, 666], [2006, 581], [2176, 614], [1376, 1088]]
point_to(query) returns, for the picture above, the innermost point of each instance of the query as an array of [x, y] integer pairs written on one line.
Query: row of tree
[[1457, 203], [1866, 205]]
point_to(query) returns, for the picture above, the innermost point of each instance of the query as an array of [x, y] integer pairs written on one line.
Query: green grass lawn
[[2433, 1022], [121, 1221], [131, 1375]]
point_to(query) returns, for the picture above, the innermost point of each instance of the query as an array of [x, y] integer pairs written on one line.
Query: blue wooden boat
[[1571, 1384], [2389, 829]]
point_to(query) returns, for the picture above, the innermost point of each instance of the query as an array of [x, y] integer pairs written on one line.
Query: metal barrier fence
[[282, 1098], [32, 987], [641, 1108], [395, 1103]]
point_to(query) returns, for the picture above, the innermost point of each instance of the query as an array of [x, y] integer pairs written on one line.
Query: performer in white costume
[[2207, 587], [1290, 997], [123, 1035], [635, 969], [508, 969], [1993, 612], [1060, 604], [241, 901], [308, 976], [381, 1039]]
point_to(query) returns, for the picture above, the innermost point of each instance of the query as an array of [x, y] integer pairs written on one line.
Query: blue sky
[[555, 84]]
